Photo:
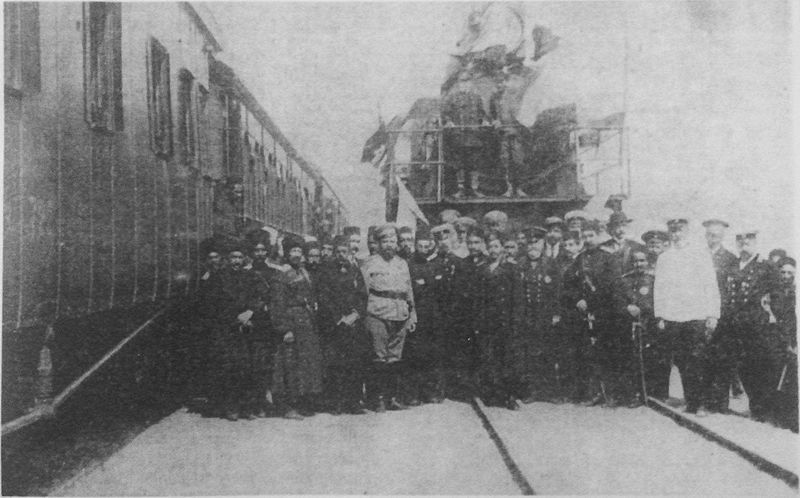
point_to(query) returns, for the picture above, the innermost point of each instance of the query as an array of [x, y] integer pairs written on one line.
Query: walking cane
[[636, 333]]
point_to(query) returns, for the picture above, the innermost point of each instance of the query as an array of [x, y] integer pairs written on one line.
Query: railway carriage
[[127, 143]]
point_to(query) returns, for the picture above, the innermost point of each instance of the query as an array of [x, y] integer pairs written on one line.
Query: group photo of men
[[573, 311]]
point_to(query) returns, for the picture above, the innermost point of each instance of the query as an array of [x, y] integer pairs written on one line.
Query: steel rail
[[758, 461]]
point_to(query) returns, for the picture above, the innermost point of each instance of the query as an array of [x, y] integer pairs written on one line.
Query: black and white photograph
[[400, 248]]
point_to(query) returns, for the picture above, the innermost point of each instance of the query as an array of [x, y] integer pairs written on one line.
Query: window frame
[[159, 105], [102, 67]]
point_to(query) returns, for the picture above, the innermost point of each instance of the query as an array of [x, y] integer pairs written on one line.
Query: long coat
[[430, 281], [298, 365], [341, 291]]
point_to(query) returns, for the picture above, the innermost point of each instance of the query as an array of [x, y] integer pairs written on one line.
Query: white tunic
[[685, 286]]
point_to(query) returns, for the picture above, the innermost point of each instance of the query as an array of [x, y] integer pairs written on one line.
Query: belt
[[389, 294]]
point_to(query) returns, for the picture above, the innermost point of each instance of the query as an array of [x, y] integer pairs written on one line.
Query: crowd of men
[[572, 311]]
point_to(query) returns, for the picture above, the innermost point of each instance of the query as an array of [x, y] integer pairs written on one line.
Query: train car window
[[21, 37], [158, 99], [187, 124], [102, 65]]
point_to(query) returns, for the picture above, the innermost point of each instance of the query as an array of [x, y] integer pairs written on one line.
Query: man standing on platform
[[656, 241], [686, 304], [619, 245], [725, 262], [405, 242], [552, 241], [390, 314], [353, 235]]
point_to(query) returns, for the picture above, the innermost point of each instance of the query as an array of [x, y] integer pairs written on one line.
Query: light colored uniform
[[390, 305]]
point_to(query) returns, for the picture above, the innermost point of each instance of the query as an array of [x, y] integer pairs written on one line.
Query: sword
[[636, 334]]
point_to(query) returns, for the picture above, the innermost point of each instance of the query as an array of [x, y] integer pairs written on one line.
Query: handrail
[[48, 409]]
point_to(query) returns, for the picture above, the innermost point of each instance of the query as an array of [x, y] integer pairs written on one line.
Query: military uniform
[[654, 345], [298, 364], [390, 313], [235, 291], [746, 342], [785, 407], [539, 351], [494, 295], [347, 348], [425, 347]]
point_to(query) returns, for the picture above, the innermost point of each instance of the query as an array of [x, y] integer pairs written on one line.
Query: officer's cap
[[351, 230], [465, 222], [449, 215], [615, 200], [715, 221], [674, 223], [341, 240], [551, 221], [655, 234], [747, 234], [787, 261], [576, 214], [537, 232]]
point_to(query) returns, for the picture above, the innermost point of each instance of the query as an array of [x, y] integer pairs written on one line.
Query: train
[[128, 143]]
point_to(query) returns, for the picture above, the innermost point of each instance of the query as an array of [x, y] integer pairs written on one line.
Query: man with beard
[[655, 242], [390, 314], [326, 250], [313, 256], [261, 337], [541, 351], [238, 295], [462, 225], [405, 242], [686, 305], [424, 348], [298, 360], [342, 307], [743, 332]]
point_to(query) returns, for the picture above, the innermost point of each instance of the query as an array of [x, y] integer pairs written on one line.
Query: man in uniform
[[452, 323], [238, 295], [298, 361], [326, 250], [619, 244], [541, 352], [552, 241], [655, 242], [347, 345], [405, 242], [725, 262], [424, 348], [575, 220], [470, 292], [651, 352], [686, 305], [744, 331], [390, 314], [495, 221], [313, 256], [783, 304], [462, 225]]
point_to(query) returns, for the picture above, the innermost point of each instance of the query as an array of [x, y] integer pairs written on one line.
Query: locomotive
[[127, 145]]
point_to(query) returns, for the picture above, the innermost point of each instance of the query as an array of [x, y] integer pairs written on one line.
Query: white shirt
[[685, 286]]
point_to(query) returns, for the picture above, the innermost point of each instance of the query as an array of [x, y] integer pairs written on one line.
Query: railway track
[[760, 462]]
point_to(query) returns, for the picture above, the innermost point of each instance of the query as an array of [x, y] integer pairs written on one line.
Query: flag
[[374, 144], [544, 41]]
